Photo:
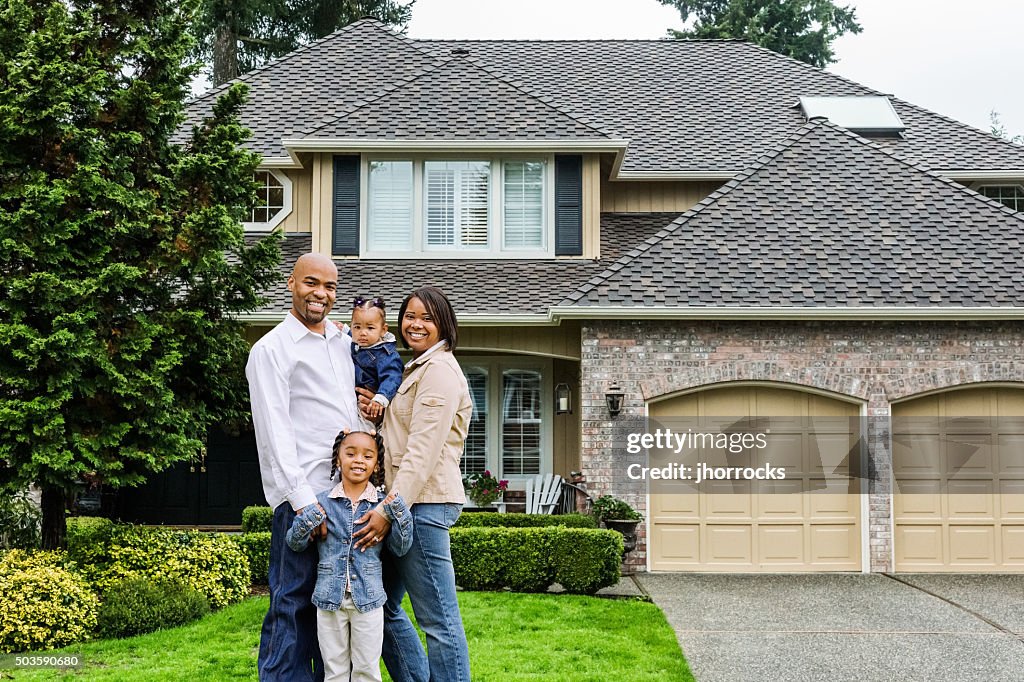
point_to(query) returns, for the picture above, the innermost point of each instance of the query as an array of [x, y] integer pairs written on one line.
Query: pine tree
[[121, 255]]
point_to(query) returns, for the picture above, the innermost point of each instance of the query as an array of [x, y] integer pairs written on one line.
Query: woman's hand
[[374, 532]]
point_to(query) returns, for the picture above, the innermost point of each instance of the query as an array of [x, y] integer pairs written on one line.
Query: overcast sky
[[961, 60]]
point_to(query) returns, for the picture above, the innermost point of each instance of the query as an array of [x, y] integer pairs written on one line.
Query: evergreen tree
[[236, 36], [122, 258], [802, 29]]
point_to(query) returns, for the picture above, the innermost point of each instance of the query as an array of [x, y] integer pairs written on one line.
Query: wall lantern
[[563, 399], [613, 396]]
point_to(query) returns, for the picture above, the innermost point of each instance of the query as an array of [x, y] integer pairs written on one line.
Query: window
[[514, 442], [452, 207], [1009, 195], [273, 201]]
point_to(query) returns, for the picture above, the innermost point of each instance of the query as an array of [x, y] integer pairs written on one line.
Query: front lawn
[[511, 637]]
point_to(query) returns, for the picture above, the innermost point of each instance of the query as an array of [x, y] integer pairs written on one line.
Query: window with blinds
[[390, 210], [474, 456], [485, 206], [456, 203], [521, 422], [524, 204]]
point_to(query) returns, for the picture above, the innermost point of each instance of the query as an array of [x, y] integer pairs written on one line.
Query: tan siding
[[254, 333], [591, 206], [562, 341], [321, 219], [565, 441], [652, 197], [302, 200]]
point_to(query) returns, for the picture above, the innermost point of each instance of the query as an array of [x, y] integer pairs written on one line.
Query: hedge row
[[256, 546], [257, 519], [582, 560], [496, 520]]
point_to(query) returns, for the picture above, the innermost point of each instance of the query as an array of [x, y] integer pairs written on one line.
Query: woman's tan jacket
[[425, 430]]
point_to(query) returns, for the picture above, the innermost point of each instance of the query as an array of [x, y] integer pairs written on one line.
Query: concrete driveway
[[845, 627]]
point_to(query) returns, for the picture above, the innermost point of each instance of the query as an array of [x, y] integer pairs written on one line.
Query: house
[[714, 229]]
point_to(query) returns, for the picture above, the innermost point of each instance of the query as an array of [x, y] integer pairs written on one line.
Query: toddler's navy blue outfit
[[378, 368]]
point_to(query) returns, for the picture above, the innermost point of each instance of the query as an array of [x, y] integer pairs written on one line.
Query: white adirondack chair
[[542, 492]]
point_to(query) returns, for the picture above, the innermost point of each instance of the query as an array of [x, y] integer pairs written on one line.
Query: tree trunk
[[225, 53], [54, 520]]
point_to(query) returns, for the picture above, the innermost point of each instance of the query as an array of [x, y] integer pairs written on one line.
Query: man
[[302, 388]]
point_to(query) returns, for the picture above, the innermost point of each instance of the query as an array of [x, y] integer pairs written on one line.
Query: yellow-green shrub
[[42, 606], [210, 563]]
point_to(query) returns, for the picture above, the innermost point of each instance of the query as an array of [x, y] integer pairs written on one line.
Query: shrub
[[257, 548], [257, 519], [211, 563], [88, 538], [494, 519], [42, 605], [20, 521], [607, 507], [585, 561], [15, 560], [582, 560], [137, 606]]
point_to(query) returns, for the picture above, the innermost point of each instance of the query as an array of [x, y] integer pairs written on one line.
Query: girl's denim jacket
[[338, 558]]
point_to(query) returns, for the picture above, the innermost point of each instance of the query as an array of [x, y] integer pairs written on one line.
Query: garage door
[[958, 463], [807, 528]]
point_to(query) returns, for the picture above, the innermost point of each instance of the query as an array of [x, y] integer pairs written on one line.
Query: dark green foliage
[[137, 606], [802, 29], [19, 522], [494, 519], [122, 261], [257, 519], [257, 548], [607, 507], [531, 559], [236, 36]]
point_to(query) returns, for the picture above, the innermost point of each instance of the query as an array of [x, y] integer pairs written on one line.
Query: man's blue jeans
[[427, 574], [289, 649]]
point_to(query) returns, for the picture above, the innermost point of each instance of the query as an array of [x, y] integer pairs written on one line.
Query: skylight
[[868, 115]]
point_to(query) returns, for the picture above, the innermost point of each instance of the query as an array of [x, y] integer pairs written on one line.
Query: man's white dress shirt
[[302, 388]]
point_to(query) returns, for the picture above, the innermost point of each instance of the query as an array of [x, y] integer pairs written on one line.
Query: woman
[[424, 434]]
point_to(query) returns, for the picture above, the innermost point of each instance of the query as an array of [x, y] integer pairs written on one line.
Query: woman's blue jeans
[[427, 575]]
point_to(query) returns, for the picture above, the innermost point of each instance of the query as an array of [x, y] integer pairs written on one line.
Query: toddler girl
[[378, 367]]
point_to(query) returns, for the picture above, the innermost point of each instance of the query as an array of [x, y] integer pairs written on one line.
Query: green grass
[[512, 637]]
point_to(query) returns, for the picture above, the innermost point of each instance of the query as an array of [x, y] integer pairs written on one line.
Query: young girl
[[349, 593], [378, 367]]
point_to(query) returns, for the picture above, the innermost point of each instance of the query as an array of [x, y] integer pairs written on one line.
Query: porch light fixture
[[613, 396], [563, 399]]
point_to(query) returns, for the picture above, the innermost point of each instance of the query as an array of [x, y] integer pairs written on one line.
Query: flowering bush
[[483, 488]]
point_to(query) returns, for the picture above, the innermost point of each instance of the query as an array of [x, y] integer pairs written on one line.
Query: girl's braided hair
[[377, 477]]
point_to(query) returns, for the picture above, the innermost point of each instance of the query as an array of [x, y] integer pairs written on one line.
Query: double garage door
[[958, 499]]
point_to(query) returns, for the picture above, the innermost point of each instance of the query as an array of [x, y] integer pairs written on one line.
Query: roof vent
[[865, 115], [460, 51]]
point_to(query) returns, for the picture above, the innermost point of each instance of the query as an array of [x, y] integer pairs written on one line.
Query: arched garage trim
[[948, 388], [783, 385], [798, 376]]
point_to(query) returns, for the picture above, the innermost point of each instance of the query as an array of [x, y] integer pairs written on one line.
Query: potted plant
[[619, 516], [483, 489]]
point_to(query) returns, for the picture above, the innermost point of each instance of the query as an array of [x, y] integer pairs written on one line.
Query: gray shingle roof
[[456, 100], [703, 106], [828, 219], [513, 287]]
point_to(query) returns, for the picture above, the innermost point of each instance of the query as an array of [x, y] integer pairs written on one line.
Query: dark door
[[206, 492]]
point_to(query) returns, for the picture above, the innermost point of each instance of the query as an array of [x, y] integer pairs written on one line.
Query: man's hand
[[374, 532], [342, 327], [365, 398]]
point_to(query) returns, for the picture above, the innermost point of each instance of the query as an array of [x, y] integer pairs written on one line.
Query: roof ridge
[[441, 62], [379, 94], [546, 101], [302, 49], [694, 210], [580, 40], [920, 168]]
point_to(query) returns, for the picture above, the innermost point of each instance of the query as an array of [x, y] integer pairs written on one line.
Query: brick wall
[[873, 362]]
